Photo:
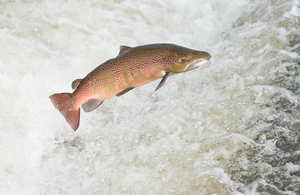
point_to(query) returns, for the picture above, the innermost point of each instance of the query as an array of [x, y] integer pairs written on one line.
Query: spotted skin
[[132, 68]]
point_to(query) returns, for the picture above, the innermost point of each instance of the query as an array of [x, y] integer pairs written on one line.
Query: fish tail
[[62, 102]]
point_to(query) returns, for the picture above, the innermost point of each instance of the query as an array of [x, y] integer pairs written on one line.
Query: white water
[[178, 140]]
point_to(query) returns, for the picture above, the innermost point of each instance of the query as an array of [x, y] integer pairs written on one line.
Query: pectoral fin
[[162, 82], [125, 91], [91, 105]]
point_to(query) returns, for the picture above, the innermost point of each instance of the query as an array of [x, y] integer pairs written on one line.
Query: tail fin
[[62, 103]]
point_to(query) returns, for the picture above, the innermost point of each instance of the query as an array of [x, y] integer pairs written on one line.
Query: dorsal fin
[[75, 83], [124, 49]]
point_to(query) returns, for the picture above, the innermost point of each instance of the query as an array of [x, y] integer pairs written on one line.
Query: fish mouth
[[196, 64]]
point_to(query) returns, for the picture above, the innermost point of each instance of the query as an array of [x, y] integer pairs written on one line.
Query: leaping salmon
[[133, 67]]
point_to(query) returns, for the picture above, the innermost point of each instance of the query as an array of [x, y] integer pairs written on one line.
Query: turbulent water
[[231, 127]]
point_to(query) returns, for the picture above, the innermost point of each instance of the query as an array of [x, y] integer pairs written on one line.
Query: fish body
[[132, 68]]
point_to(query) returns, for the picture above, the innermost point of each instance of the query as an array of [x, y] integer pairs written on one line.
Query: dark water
[[271, 164]]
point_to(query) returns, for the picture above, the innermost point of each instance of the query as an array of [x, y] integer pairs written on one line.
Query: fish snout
[[203, 55], [208, 56]]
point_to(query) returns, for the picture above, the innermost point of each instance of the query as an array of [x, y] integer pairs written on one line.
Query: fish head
[[184, 59]]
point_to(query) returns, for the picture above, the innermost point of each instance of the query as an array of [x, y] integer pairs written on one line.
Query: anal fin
[[125, 91], [91, 105], [162, 82]]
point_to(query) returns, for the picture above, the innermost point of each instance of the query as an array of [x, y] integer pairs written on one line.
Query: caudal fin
[[62, 102]]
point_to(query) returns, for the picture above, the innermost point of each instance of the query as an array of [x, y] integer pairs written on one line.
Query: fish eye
[[182, 60]]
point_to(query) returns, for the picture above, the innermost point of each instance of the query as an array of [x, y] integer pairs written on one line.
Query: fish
[[133, 67]]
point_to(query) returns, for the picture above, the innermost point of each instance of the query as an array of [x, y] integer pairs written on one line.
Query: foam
[[176, 140]]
